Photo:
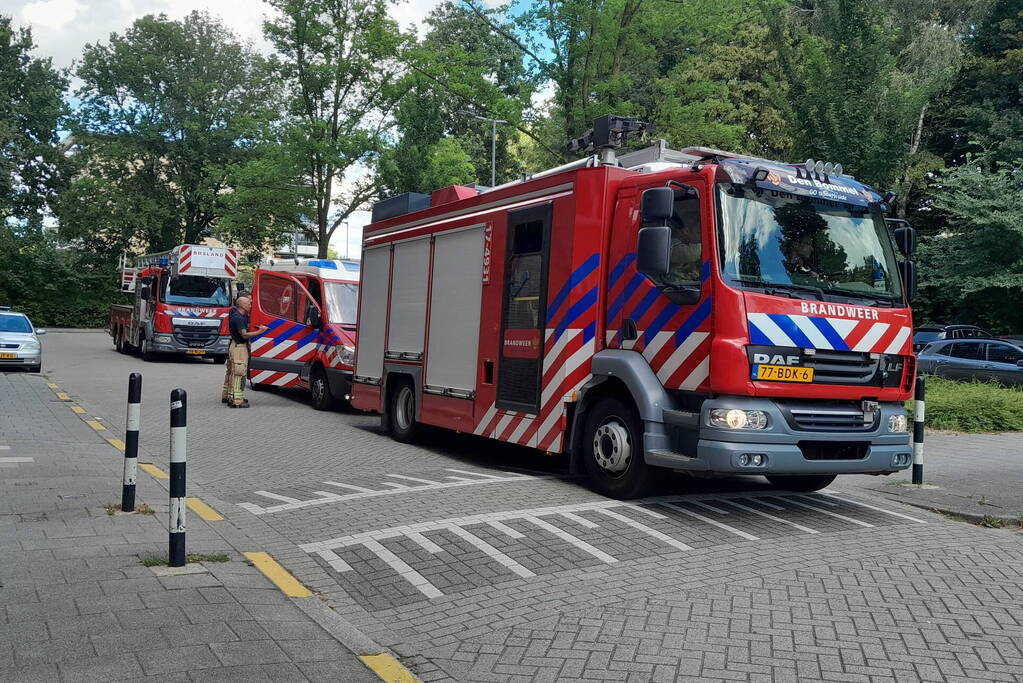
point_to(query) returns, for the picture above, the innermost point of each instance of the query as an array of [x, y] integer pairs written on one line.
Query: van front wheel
[[613, 450]]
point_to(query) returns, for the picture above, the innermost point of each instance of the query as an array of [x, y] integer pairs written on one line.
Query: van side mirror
[[313, 317], [907, 271], [40, 331], [905, 239], [653, 250], [658, 204], [1019, 363]]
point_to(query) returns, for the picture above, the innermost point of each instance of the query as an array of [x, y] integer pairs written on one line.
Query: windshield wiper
[[775, 287], [879, 298]]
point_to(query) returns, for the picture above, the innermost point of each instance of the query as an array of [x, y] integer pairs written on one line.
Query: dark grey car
[[987, 360]]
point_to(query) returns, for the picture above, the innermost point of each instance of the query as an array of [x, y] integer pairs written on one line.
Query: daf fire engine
[[693, 310], [181, 301], [309, 310]]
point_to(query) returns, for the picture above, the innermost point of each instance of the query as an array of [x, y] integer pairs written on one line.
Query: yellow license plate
[[782, 373], [196, 352], [8, 355]]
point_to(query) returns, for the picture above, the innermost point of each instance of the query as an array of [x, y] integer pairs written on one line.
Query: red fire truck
[[693, 310], [182, 298], [309, 310]]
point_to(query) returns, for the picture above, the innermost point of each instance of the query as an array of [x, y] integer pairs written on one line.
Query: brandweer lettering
[[839, 310]]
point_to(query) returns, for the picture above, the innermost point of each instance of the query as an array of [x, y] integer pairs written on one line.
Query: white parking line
[[277, 496], [581, 521], [827, 492], [491, 551], [14, 459], [425, 543], [712, 522], [772, 517], [788, 499], [569, 538], [350, 487], [665, 538], [421, 481], [703, 505], [398, 565], [506, 530]]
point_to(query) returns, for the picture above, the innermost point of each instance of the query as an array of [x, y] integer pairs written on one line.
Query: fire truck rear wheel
[[119, 340], [613, 450], [319, 389], [809, 482], [401, 413]]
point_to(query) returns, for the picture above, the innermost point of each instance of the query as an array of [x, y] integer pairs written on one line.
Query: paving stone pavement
[[76, 603], [516, 571]]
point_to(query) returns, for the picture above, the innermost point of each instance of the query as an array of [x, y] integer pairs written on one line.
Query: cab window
[[686, 238], [278, 296]]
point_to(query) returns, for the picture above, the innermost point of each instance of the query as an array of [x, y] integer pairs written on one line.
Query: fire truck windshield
[[342, 302], [193, 290], [776, 240]]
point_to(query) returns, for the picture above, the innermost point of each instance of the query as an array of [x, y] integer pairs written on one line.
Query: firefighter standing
[[238, 352]]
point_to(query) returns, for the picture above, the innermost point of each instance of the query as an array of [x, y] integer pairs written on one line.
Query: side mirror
[[1019, 363], [144, 293], [658, 204], [314, 318], [40, 331], [907, 270], [905, 239], [653, 250]]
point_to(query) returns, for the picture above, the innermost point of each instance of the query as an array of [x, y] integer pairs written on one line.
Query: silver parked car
[[19, 345], [969, 359]]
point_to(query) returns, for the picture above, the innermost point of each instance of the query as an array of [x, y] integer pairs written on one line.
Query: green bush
[[972, 406]]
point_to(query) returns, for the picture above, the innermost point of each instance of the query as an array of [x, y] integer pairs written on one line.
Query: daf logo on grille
[[777, 359], [192, 322]]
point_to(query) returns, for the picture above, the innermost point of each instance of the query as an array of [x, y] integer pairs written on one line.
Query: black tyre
[[401, 413], [144, 351], [613, 450], [810, 482], [257, 387], [36, 368], [319, 390]]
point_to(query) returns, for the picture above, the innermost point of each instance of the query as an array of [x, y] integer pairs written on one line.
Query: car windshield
[[14, 323], [194, 290], [782, 239], [342, 302]]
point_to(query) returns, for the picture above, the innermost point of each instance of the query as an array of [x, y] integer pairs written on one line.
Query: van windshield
[[194, 290], [777, 238], [342, 302]]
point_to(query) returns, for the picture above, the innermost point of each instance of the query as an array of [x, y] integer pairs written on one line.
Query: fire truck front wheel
[[145, 352], [401, 413], [612, 443]]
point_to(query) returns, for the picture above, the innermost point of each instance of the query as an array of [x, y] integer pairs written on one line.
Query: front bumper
[[23, 358], [166, 343], [689, 443]]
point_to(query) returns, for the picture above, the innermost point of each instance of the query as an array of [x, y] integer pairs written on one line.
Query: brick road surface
[[76, 603], [476, 561]]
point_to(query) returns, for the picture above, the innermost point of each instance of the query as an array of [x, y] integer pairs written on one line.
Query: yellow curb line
[[288, 584], [78, 409], [388, 668], [154, 470], [96, 425], [62, 396], [51, 385], [116, 443], [203, 510]]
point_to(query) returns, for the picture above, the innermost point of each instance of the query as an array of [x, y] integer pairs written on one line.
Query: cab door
[[524, 309]]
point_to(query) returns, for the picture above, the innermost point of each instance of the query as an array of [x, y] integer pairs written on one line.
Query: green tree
[[340, 64], [30, 111], [973, 271], [168, 111]]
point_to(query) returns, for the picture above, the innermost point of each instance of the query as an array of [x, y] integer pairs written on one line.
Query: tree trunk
[[905, 186]]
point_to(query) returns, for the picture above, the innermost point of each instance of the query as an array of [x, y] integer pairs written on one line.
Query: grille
[[9, 346], [196, 336], [831, 450], [517, 382], [840, 418], [843, 367]]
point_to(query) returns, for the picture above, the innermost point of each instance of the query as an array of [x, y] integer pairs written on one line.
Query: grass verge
[[972, 406], [196, 557]]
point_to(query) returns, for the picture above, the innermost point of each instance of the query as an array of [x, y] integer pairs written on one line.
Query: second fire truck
[[693, 310]]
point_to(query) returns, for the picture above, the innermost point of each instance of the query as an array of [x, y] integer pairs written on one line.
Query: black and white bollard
[[918, 433], [131, 442], [178, 419]]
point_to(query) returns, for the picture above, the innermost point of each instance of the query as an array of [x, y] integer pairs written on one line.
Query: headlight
[[31, 346], [346, 354], [163, 339], [733, 418], [898, 423]]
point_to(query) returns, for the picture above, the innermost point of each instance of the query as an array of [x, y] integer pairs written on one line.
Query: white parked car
[[19, 344]]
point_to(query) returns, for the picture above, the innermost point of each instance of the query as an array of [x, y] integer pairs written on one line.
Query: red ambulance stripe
[[569, 383], [570, 348], [506, 433], [683, 371], [487, 431]]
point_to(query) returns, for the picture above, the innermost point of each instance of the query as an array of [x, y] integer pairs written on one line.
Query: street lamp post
[[493, 142]]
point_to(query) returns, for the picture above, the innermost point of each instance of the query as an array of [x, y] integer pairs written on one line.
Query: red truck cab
[[309, 309]]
